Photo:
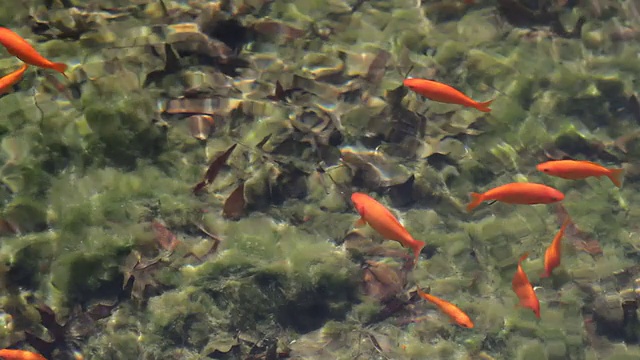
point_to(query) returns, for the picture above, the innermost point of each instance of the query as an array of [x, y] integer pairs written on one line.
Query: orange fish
[[522, 287], [455, 314], [577, 170], [444, 93], [7, 81], [383, 221], [11, 354], [554, 251], [518, 193], [20, 48]]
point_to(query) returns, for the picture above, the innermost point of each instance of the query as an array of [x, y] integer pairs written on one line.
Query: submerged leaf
[[235, 204], [383, 282], [278, 93], [139, 274], [581, 240], [378, 67], [165, 238], [214, 169], [171, 66]]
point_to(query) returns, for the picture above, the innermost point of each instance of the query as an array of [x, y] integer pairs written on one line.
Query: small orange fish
[[444, 93], [383, 221], [455, 314], [20, 48], [577, 170], [518, 193], [522, 287], [554, 251], [11, 354], [7, 81]]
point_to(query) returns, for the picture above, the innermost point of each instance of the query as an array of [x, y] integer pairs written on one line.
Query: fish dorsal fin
[[593, 163]]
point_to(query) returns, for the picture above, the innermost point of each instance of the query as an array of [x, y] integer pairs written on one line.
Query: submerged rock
[[374, 170]]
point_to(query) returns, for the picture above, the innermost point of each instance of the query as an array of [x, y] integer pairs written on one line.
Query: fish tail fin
[[616, 176], [60, 67], [476, 199], [423, 294], [484, 106], [417, 249], [545, 274]]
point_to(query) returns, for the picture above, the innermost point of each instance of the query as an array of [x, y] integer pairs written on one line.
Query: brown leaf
[[142, 271], [382, 281], [214, 169], [165, 238], [234, 206], [57, 331], [48, 320], [101, 311], [263, 142], [581, 240], [378, 66], [44, 347], [278, 94]]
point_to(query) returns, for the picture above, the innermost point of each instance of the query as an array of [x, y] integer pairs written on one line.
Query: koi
[[554, 251], [382, 220], [13, 354], [440, 92], [7, 81], [578, 170], [20, 48], [455, 314], [522, 287], [518, 193]]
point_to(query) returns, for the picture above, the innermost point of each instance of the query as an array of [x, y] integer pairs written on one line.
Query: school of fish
[[375, 214], [378, 217]]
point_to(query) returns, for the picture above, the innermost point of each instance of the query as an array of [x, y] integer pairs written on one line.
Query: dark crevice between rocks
[[538, 13]]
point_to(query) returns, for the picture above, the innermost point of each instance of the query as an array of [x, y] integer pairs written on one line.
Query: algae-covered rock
[[84, 276], [532, 350], [30, 254], [556, 350], [121, 129], [269, 272]]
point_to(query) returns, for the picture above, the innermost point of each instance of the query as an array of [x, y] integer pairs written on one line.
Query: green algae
[[111, 168]]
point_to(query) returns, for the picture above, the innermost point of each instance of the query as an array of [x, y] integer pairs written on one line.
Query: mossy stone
[[556, 350], [26, 262], [533, 350], [84, 276]]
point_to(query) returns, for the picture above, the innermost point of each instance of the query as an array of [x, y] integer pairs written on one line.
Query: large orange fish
[[20, 48], [518, 193], [455, 314], [577, 170], [522, 287], [383, 221], [554, 251], [7, 81], [12, 354], [444, 93]]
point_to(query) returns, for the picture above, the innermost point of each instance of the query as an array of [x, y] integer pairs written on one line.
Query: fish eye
[[545, 169]]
